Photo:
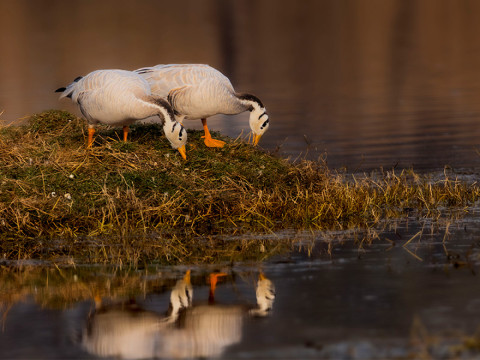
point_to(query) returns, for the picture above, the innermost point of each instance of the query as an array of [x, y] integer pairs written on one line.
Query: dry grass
[[51, 187]]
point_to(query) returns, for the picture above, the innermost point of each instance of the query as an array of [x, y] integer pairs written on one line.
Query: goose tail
[[68, 91]]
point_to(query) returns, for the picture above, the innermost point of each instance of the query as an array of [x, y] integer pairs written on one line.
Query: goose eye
[[264, 124], [180, 134]]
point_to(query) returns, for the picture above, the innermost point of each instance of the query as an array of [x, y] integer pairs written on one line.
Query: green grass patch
[[52, 186]]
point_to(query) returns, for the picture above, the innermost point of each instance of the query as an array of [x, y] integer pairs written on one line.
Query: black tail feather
[[62, 89], [143, 71]]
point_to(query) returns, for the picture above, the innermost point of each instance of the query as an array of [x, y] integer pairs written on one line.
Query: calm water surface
[[335, 302], [368, 83]]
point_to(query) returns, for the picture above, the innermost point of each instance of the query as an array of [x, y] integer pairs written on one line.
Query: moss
[[51, 121], [52, 185]]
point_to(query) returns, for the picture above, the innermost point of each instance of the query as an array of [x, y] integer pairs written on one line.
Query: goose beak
[[186, 278], [183, 152], [256, 139], [261, 276]]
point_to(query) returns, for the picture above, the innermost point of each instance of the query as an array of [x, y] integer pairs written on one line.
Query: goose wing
[[115, 81], [164, 78], [195, 90], [111, 96]]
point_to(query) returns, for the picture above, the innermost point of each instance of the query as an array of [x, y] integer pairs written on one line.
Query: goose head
[[177, 135], [259, 121], [174, 131]]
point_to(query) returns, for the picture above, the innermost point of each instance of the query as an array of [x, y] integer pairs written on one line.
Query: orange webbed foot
[[210, 142]]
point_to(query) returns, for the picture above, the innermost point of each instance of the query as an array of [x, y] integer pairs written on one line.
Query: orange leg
[[208, 137], [213, 285], [91, 131], [126, 130]]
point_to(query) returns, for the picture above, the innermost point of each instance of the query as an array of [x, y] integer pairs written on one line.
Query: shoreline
[[53, 187]]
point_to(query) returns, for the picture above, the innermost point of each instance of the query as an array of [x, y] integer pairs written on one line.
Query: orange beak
[[183, 152], [256, 139]]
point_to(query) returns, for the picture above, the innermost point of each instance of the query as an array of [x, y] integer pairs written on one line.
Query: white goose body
[[119, 98], [198, 91]]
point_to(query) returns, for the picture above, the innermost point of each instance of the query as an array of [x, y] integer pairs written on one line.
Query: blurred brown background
[[368, 82]]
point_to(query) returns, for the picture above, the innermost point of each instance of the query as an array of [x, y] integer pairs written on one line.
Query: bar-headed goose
[[198, 91], [119, 98]]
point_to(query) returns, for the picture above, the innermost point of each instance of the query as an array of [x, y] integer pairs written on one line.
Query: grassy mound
[[51, 185]]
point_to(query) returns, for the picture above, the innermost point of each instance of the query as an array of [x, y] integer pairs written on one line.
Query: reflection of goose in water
[[265, 293], [127, 331], [124, 330], [180, 298]]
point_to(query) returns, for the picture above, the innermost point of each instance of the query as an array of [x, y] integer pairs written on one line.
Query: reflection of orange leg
[[213, 285], [208, 137], [91, 131], [126, 129], [98, 301]]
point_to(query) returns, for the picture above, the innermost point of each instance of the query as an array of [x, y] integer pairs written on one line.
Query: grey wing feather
[[164, 78]]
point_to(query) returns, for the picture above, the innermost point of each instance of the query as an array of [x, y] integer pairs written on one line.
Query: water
[[335, 301], [368, 83]]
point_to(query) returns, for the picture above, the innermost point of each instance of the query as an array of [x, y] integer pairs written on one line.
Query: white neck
[[165, 116], [248, 105]]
